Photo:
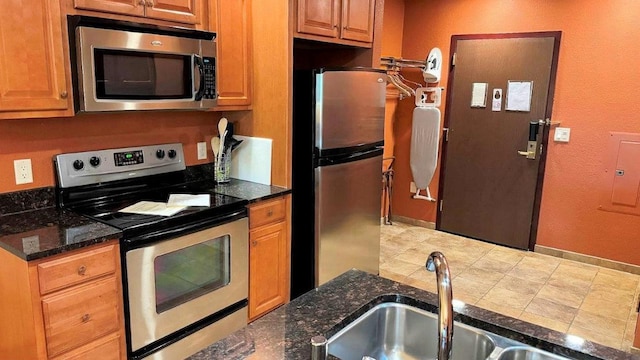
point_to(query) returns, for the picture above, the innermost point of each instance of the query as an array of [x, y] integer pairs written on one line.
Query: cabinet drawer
[[75, 269], [266, 212], [80, 315], [106, 348]]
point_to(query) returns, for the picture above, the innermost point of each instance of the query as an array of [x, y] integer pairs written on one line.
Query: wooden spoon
[[222, 126], [215, 146]]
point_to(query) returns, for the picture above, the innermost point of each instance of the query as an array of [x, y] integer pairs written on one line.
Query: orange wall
[[41, 139], [596, 92]]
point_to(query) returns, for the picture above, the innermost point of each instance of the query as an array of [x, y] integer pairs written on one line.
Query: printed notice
[[496, 102], [519, 95], [153, 208], [189, 200], [479, 95]]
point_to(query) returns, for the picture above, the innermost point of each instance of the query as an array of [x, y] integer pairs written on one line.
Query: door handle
[[532, 144]]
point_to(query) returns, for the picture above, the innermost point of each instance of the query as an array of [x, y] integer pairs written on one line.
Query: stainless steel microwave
[[120, 66]]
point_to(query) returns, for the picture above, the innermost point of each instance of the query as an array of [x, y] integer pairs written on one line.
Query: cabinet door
[[233, 28], [32, 72], [318, 17], [357, 20], [184, 11], [268, 266], [127, 7]]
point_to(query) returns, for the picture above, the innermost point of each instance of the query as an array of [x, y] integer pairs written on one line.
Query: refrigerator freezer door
[[349, 108], [347, 217]]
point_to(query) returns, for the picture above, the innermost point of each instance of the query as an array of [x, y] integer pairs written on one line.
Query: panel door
[[357, 20], [489, 191], [319, 17], [126, 7], [32, 77], [184, 11]]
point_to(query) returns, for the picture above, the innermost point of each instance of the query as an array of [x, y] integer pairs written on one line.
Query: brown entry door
[[488, 190]]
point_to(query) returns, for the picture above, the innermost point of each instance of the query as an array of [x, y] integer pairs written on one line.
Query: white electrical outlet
[[412, 188], [202, 150], [22, 170], [562, 135]]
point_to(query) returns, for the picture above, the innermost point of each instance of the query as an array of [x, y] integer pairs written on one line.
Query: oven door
[[179, 281]]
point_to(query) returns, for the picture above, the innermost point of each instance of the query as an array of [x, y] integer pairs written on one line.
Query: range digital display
[[128, 158]]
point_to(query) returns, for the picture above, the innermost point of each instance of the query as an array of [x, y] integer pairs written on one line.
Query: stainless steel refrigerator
[[338, 134]]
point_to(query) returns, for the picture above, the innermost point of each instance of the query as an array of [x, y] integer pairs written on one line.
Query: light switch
[[562, 134], [202, 150]]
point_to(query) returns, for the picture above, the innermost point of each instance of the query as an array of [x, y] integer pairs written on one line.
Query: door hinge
[[441, 201], [541, 146], [446, 134], [453, 59]]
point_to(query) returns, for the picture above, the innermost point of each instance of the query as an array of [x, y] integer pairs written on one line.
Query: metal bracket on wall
[[548, 122]]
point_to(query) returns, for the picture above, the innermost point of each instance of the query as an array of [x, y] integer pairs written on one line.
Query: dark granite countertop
[[250, 190], [285, 333], [44, 232]]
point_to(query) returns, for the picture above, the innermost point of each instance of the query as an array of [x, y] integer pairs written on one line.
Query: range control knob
[[78, 165], [172, 154], [160, 154], [94, 161]]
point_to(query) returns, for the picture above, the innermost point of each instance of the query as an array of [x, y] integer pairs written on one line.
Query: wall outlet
[[562, 135], [412, 188], [202, 150], [22, 170]]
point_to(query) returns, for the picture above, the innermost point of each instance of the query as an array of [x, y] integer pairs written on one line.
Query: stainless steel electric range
[[185, 272]]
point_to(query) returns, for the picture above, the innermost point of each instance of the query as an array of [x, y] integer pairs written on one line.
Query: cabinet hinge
[[441, 202], [453, 59]]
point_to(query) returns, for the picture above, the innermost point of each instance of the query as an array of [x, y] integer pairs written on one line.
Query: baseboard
[[634, 350], [588, 259], [414, 222]]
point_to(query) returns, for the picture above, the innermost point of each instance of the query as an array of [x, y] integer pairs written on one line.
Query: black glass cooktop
[[107, 208]]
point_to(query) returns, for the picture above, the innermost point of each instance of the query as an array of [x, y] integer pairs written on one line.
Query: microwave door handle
[[200, 64]]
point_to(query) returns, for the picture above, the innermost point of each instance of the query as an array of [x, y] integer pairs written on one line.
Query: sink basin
[[394, 331], [527, 353]]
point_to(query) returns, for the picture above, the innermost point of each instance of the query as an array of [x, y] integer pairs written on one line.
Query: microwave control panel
[[209, 78]]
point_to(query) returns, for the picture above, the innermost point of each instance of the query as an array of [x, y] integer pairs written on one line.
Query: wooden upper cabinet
[[182, 11], [357, 20], [32, 71], [231, 20], [319, 17], [349, 22]]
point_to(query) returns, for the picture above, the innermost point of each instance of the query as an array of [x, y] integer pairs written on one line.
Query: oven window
[[191, 272], [129, 75]]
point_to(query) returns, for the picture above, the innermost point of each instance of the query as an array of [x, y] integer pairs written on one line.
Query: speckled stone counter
[[44, 232], [249, 190], [286, 332]]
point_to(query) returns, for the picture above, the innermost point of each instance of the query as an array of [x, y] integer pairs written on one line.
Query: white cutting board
[[251, 160]]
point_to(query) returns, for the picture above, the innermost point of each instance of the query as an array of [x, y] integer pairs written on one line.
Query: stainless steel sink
[[526, 353], [396, 331]]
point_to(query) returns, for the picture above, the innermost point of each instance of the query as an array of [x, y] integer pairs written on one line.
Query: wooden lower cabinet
[[69, 306], [268, 257]]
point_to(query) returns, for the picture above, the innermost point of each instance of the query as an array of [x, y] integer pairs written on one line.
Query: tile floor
[[592, 302]]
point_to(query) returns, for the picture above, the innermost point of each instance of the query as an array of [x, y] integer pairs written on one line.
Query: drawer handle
[[82, 270], [86, 318], [270, 212]]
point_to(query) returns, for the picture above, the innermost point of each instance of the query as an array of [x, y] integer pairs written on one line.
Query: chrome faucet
[[438, 263]]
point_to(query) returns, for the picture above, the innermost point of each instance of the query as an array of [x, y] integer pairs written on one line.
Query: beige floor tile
[[414, 255], [574, 286], [560, 295], [393, 276], [476, 287], [506, 255], [595, 336], [616, 279], [399, 267], [466, 297], [543, 321], [481, 275], [430, 286], [508, 297], [548, 309], [604, 307], [494, 265], [519, 286], [575, 270], [499, 308], [604, 325], [529, 273], [543, 263]]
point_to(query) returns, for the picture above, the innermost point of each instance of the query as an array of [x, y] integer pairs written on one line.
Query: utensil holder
[[222, 167]]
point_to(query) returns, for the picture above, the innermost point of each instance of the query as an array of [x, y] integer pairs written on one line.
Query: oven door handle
[[141, 240]]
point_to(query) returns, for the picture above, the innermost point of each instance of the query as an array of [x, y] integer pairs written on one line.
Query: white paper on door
[[479, 95], [519, 95]]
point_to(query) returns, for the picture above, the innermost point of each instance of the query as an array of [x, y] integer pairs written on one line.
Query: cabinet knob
[[86, 318], [64, 94], [142, 2], [82, 270], [270, 212], [254, 243], [150, 3]]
